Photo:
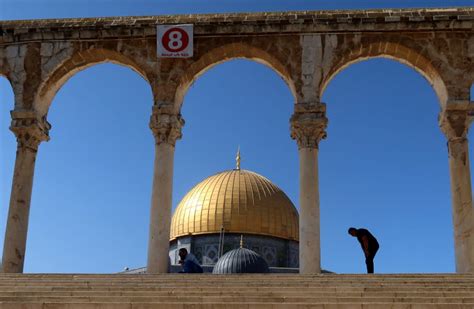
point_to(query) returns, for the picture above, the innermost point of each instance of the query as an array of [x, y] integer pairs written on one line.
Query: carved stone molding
[[308, 124], [455, 120], [29, 129], [166, 124]]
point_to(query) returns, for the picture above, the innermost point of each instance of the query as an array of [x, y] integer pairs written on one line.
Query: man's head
[[352, 231], [182, 253]]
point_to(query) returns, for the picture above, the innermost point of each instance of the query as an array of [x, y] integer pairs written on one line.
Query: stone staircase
[[173, 291]]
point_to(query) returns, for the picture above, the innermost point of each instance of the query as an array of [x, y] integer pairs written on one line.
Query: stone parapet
[[240, 23]]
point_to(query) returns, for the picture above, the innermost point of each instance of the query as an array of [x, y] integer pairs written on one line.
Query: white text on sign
[[175, 41]]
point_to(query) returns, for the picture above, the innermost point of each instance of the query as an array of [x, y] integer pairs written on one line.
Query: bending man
[[369, 245]]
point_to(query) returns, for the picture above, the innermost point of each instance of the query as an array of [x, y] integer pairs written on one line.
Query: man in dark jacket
[[369, 245], [189, 262]]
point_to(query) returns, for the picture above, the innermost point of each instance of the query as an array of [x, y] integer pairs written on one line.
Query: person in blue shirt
[[189, 262]]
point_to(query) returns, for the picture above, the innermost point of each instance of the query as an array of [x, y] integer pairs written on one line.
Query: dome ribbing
[[241, 201], [239, 261]]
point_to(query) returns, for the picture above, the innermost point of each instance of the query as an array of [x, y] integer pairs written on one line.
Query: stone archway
[[78, 61], [7, 147], [59, 62], [397, 170], [279, 53], [103, 130], [229, 52], [176, 75], [305, 48], [448, 79], [408, 53]]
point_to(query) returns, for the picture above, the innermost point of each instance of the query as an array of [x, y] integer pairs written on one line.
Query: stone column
[[308, 127], [166, 126], [454, 122], [30, 132]]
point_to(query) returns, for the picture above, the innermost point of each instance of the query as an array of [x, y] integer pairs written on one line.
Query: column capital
[[308, 124], [30, 129], [166, 124], [455, 120]]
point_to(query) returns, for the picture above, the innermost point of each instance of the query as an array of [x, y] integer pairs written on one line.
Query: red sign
[[175, 41]]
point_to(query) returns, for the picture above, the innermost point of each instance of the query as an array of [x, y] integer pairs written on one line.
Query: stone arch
[[7, 78], [74, 128], [7, 106], [79, 61], [415, 58], [16, 98], [8, 146], [226, 53]]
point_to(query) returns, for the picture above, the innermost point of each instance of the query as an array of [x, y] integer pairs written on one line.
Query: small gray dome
[[239, 261]]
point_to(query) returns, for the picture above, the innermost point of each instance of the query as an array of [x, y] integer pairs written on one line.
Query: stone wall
[[277, 252]]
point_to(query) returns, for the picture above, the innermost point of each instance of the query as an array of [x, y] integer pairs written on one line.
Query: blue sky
[[27, 9], [384, 165]]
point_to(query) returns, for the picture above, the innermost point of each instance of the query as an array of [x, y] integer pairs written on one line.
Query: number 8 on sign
[[175, 41]]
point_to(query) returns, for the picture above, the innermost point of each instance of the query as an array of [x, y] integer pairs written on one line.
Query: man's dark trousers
[[369, 260]]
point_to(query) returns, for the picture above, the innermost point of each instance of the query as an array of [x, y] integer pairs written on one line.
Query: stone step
[[162, 287], [238, 299], [325, 274], [219, 278], [231, 306], [276, 275], [247, 286], [244, 293], [223, 278], [246, 298], [236, 286], [189, 287], [299, 293], [326, 288], [233, 280], [314, 283], [71, 291]]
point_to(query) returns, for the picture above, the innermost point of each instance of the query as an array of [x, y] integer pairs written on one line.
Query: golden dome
[[242, 201]]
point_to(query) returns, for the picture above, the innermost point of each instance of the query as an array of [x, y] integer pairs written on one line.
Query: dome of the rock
[[239, 201], [211, 218], [240, 261]]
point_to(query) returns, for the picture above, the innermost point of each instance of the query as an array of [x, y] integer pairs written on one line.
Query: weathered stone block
[[12, 51], [46, 49], [392, 19]]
